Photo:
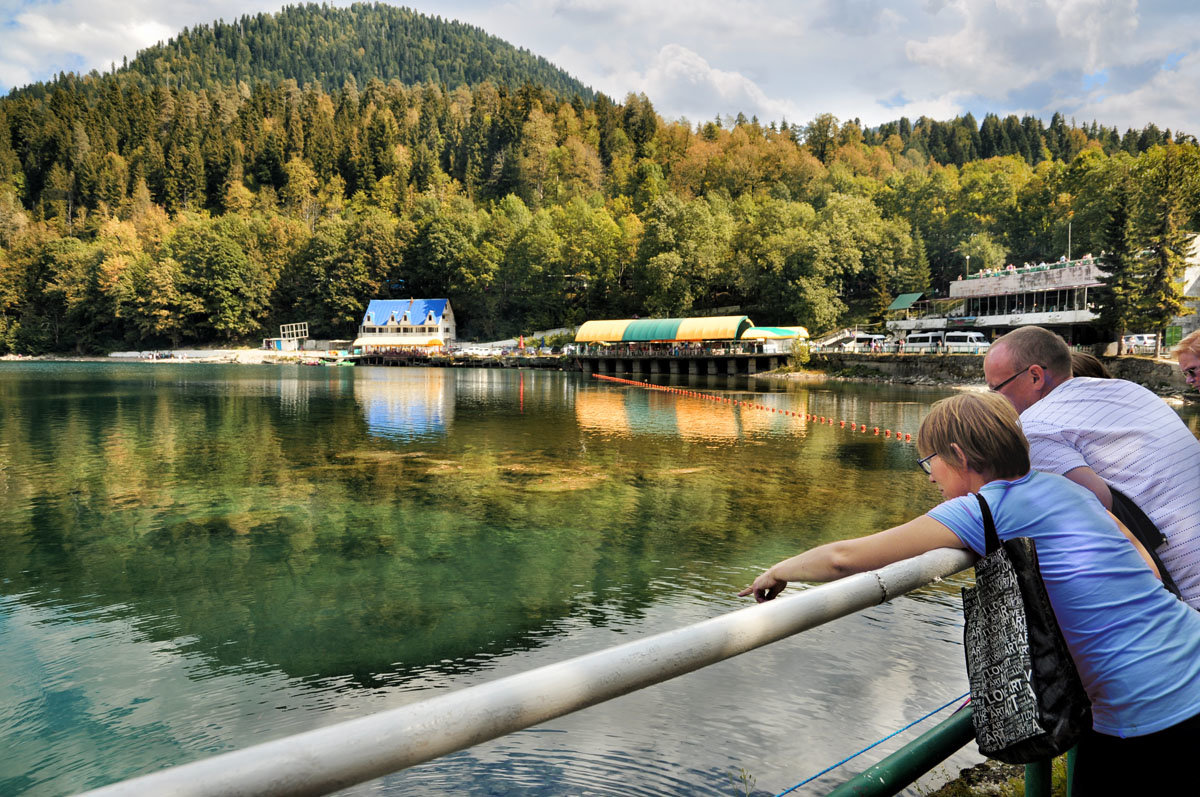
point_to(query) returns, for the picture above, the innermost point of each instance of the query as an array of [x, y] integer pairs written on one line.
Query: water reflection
[[406, 404], [195, 558], [633, 411]]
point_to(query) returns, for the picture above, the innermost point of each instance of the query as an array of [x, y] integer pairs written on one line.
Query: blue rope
[[873, 744]]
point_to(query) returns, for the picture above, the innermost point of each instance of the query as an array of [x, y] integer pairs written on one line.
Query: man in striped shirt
[[1102, 432]]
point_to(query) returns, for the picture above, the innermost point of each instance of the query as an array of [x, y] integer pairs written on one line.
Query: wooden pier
[[711, 363]]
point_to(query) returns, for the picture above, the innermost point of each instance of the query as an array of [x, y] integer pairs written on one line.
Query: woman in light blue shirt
[[1137, 647]]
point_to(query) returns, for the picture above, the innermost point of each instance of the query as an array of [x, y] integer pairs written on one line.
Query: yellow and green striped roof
[[645, 330]]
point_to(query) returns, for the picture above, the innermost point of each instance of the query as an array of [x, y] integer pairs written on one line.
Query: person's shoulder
[[963, 503], [1041, 480], [1093, 387], [1092, 393]]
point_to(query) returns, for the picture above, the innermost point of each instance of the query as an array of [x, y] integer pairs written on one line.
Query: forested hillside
[[326, 46], [143, 212]]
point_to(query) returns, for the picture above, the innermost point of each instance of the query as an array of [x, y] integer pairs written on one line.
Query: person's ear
[[960, 456]]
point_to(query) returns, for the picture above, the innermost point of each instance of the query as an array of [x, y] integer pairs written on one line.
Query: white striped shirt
[[1136, 443]]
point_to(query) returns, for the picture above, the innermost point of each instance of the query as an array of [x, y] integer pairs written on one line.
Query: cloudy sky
[[1120, 62]]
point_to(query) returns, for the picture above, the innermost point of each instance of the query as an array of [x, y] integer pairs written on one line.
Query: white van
[[863, 342], [966, 342], [1142, 343], [923, 342]]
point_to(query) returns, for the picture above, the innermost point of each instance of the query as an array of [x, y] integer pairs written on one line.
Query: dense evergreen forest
[[267, 171]]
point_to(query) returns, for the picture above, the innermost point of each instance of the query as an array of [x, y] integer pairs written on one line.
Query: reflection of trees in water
[[277, 529]]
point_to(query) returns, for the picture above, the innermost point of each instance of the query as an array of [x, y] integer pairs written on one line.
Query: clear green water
[[197, 558]]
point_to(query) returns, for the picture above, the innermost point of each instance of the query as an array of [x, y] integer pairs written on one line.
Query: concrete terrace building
[[395, 324], [1058, 296]]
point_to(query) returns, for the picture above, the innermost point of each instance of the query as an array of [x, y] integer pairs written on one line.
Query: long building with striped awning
[[664, 330]]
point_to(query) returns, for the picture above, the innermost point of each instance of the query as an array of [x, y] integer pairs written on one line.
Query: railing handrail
[[334, 757]]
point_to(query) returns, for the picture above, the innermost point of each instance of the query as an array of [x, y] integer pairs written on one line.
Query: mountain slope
[[325, 45]]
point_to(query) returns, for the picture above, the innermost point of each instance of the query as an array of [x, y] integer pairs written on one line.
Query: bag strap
[[991, 538]]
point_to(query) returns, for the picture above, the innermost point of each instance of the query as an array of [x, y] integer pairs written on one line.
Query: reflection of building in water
[[406, 403], [648, 412], [601, 411]]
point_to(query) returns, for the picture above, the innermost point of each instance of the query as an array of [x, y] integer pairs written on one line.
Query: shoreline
[[856, 372], [1174, 398], [965, 372]]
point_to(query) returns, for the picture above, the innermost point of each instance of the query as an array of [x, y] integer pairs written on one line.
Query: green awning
[[650, 329], [646, 330], [904, 301]]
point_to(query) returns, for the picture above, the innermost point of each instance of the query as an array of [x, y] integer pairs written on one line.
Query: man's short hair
[[1190, 344], [987, 429], [1036, 346]]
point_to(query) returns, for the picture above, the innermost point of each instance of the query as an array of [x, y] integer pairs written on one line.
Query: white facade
[[406, 324]]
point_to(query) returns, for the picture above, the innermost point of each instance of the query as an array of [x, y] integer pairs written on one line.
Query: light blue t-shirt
[[1136, 646]]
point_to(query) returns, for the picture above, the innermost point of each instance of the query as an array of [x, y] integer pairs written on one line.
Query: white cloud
[[43, 37], [1168, 100], [1100, 27], [1010, 44], [680, 78]]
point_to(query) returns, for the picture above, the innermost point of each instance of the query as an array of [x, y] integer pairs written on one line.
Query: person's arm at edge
[[839, 559], [1086, 477], [1137, 544]]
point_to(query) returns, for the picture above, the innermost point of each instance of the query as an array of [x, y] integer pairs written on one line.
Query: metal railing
[[337, 756]]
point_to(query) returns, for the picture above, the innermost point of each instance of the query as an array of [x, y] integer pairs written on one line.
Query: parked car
[[1141, 342], [923, 342], [966, 342], [863, 342]]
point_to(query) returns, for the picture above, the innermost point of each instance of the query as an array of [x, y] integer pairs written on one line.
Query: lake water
[[197, 558]]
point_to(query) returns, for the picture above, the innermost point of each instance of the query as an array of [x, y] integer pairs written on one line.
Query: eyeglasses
[[924, 463], [1190, 373], [998, 387]]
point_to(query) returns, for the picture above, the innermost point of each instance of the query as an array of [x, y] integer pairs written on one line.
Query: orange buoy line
[[888, 434]]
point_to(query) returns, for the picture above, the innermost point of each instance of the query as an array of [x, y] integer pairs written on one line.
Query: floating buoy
[[887, 432]]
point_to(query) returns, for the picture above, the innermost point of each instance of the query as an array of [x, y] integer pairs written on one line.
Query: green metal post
[[1037, 779], [913, 760]]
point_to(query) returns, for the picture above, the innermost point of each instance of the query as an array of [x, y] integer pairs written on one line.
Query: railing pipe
[[913, 760], [327, 759]]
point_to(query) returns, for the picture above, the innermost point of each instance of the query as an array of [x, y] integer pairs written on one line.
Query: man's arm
[[1086, 477]]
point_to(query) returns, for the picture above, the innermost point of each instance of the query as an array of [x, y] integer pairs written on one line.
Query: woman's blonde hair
[[985, 427], [1190, 344]]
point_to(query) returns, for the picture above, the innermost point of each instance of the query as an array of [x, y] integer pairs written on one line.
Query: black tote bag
[[1028, 701]]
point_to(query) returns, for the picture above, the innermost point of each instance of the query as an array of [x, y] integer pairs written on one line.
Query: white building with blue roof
[[406, 324]]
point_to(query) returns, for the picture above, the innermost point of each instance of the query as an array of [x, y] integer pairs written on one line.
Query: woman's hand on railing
[[764, 588]]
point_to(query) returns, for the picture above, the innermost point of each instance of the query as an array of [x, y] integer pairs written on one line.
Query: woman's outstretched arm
[[836, 560]]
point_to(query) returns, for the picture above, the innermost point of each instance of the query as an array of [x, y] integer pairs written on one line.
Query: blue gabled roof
[[380, 310]]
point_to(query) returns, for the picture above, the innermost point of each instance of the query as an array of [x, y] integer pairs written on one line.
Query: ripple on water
[[540, 762]]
